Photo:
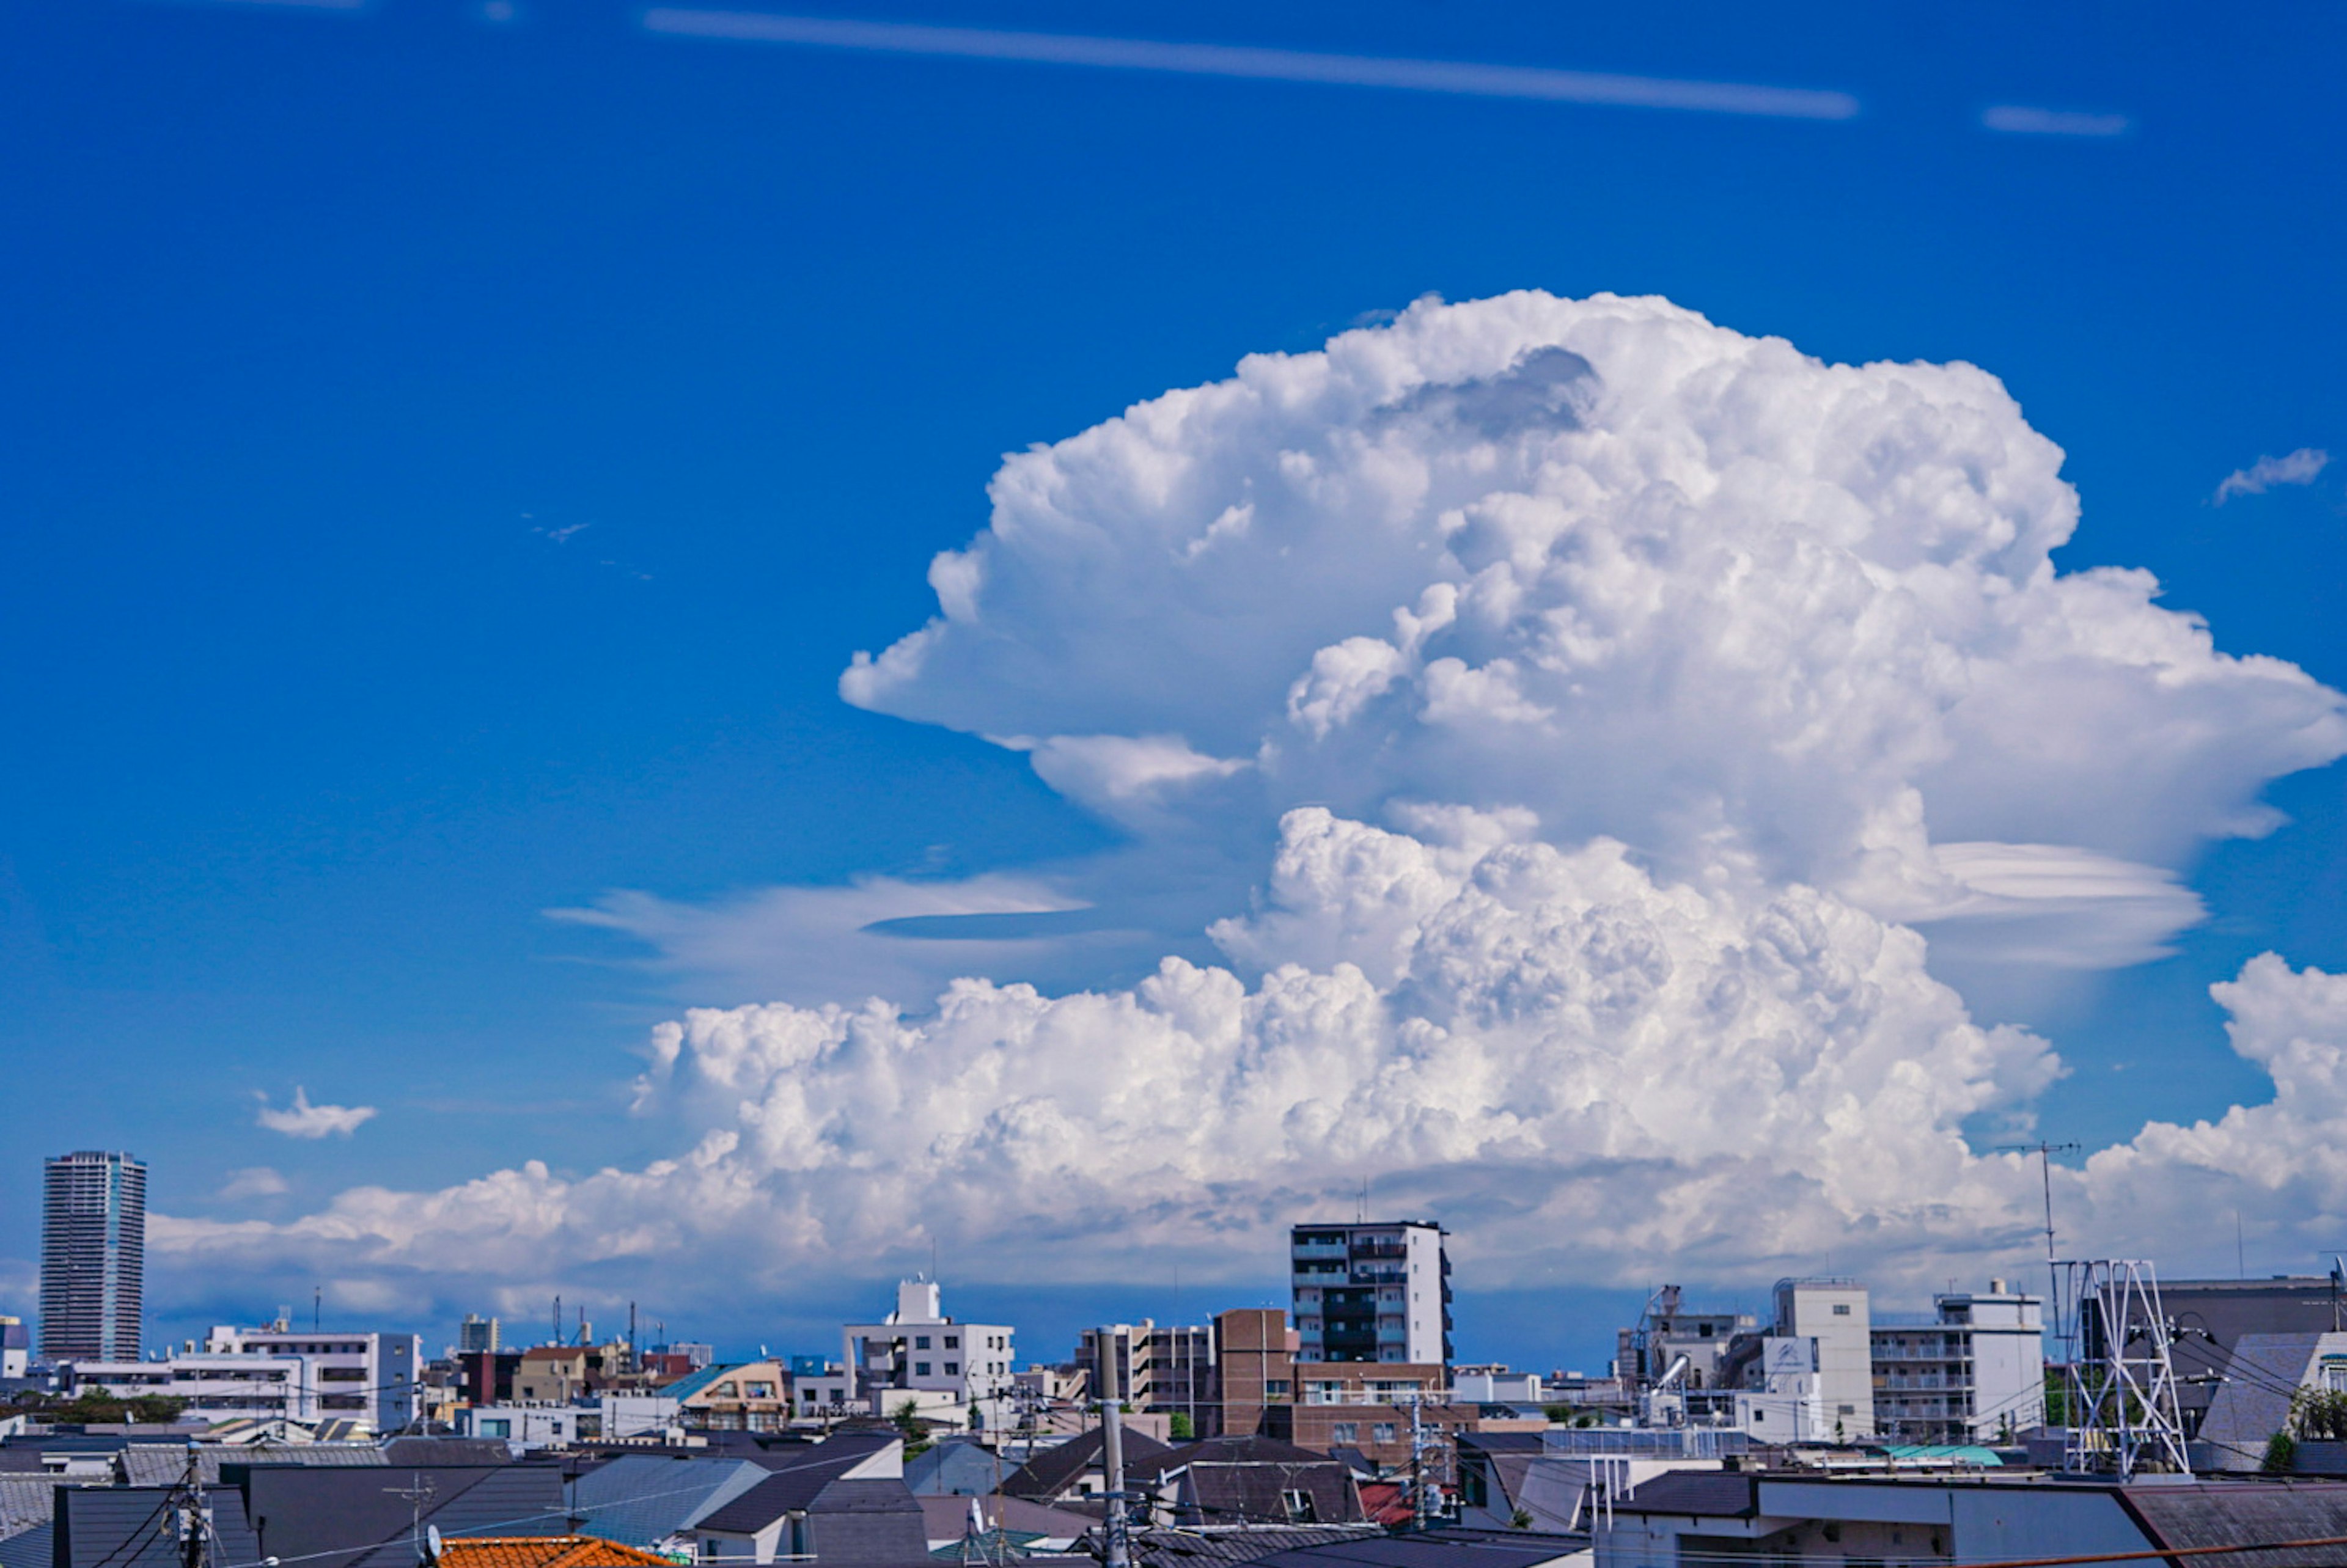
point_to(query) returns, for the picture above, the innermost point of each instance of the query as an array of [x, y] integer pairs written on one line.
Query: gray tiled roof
[[1051, 1472], [162, 1464], [1698, 1493], [28, 1500], [351, 1518], [642, 1499], [2233, 1512], [122, 1527], [1517, 1549], [1218, 1548]]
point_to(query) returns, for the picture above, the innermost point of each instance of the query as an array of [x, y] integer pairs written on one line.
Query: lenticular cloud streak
[[1626, 700]]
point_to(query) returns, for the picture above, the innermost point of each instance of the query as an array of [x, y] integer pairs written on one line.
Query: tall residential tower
[[92, 1256], [1372, 1293]]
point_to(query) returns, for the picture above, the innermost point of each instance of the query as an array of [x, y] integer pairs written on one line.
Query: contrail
[[1260, 65]]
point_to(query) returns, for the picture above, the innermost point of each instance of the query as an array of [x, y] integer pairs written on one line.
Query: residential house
[[747, 1397], [1075, 1471], [2268, 1372], [842, 1501], [1230, 1479]]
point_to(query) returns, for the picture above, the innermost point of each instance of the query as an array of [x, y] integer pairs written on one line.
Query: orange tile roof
[[546, 1551]]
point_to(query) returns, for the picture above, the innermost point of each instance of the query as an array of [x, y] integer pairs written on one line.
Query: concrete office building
[[948, 1369], [1973, 1372], [93, 1255], [1371, 1292], [1834, 1312]]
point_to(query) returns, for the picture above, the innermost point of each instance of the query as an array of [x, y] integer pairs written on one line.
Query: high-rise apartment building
[[1371, 1293], [92, 1256]]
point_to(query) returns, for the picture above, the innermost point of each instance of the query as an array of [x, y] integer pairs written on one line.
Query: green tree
[[1180, 1428], [2281, 1455]]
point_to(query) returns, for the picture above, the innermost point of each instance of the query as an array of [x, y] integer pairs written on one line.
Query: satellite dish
[[432, 1543]]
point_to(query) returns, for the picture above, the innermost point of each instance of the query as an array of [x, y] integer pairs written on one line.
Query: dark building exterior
[[2208, 1317], [92, 1256]]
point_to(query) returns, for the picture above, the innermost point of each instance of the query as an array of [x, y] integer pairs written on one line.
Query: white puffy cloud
[[304, 1119], [1620, 702], [2300, 467], [1640, 574], [1500, 1028], [1576, 1065]]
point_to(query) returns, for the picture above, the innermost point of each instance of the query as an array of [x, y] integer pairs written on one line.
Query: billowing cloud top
[[1638, 573], [1613, 696]]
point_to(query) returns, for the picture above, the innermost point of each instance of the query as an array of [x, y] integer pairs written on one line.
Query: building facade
[[1835, 1313], [371, 1377], [1161, 1368], [1974, 1373], [1371, 1292], [92, 1256], [918, 1351]]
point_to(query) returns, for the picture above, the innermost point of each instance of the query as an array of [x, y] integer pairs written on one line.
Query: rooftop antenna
[[2046, 1152], [555, 1338], [317, 1307], [419, 1492]]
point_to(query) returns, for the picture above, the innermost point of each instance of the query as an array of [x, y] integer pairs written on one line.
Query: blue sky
[[451, 461]]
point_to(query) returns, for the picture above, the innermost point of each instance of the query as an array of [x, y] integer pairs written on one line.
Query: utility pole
[[1117, 1545], [190, 1515], [317, 1308]]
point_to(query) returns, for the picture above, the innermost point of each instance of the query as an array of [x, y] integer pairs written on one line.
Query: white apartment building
[[215, 1387], [277, 1374], [1975, 1372], [1835, 1313], [362, 1377], [944, 1365], [1371, 1293]]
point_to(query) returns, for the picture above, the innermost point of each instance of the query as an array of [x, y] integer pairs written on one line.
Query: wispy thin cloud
[[2300, 467], [2016, 119], [1458, 76], [304, 1119]]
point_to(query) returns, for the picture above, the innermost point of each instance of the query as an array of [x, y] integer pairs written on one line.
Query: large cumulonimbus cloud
[[1616, 700]]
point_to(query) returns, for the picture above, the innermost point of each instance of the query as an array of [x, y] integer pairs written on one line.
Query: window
[[920, 1369], [1275, 1387], [1841, 1309], [496, 1428], [953, 1341], [953, 1369], [1299, 1507], [920, 1341], [1343, 1431], [1381, 1431]]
